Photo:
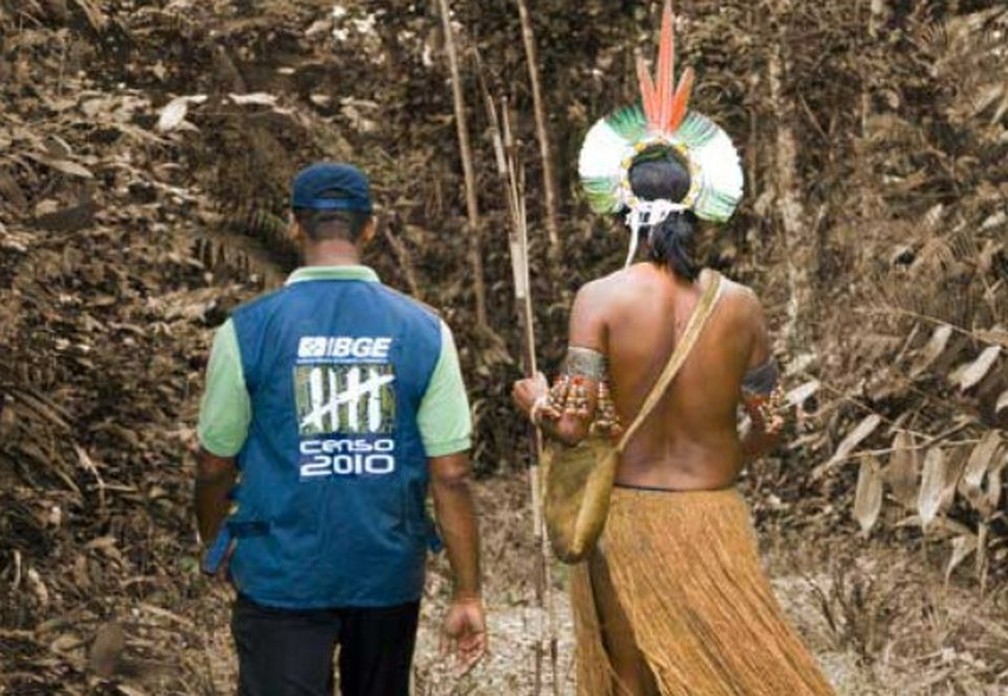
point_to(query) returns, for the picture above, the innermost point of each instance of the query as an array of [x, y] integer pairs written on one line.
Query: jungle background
[[145, 151]]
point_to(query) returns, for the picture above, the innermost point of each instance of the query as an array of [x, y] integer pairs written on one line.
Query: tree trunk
[[800, 242]]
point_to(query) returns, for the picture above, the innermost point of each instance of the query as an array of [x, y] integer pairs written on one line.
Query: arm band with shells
[[569, 396], [763, 393]]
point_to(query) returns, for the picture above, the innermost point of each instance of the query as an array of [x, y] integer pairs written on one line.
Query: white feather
[[602, 152], [720, 164]]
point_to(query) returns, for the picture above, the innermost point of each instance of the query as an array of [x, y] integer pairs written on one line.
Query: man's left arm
[[225, 413], [584, 370]]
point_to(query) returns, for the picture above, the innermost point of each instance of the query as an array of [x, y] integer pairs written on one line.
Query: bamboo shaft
[[542, 131], [472, 205], [523, 296]]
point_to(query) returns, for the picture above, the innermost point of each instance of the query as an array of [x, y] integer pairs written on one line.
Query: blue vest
[[333, 476]]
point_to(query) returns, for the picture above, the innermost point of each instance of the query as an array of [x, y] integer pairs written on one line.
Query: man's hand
[[215, 477], [464, 632], [529, 391], [464, 628], [568, 427]]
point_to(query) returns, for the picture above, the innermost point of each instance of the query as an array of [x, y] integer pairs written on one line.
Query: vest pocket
[[419, 523]]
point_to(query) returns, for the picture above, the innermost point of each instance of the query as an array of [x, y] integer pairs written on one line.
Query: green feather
[[696, 130], [629, 122], [601, 194], [715, 206]]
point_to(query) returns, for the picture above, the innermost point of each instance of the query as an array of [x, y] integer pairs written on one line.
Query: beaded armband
[[764, 394], [569, 393], [773, 409]]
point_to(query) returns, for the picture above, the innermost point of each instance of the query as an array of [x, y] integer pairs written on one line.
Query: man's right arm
[[225, 413], [445, 427], [456, 516], [215, 477]]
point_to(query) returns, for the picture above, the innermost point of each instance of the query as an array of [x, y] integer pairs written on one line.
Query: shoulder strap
[[697, 321]]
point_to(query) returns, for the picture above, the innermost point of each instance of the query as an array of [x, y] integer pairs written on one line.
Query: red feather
[[666, 65], [680, 101], [648, 97]]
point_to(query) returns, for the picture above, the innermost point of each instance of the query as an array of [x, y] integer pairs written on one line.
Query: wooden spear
[[542, 131], [468, 170], [513, 178]]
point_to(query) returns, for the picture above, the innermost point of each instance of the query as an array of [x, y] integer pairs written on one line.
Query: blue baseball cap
[[331, 186]]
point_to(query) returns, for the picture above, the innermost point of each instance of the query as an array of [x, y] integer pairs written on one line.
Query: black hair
[[331, 224], [660, 174]]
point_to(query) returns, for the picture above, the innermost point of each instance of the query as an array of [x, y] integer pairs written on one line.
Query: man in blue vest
[[332, 405]]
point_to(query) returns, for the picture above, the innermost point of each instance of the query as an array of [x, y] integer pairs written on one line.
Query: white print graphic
[[343, 446], [322, 458], [347, 347], [345, 398]]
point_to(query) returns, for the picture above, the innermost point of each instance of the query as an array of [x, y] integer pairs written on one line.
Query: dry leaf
[[997, 335], [1002, 402], [993, 497], [798, 395], [868, 498], [37, 586], [940, 527], [58, 147], [127, 690], [932, 486], [65, 643], [973, 372], [254, 98], [854, 438], [932, 351], [908, 521], [962, 547], [981, 458], [957, 458], [981, 559], [65, 166], [106, 650], [903, 471], [174, 112]]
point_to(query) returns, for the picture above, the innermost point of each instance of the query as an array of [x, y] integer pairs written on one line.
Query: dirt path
[[874, 598], [514, 624], [510, 669], [879, 620]]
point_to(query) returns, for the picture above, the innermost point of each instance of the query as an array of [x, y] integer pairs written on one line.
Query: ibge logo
[[346, 406], [343, 347]]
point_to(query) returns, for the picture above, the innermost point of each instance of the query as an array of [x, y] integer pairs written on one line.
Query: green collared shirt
[[226, 410]]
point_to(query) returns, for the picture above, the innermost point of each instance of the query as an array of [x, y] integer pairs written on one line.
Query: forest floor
[[879, 622]]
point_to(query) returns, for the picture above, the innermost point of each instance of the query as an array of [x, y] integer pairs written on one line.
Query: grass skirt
[[684, 571]]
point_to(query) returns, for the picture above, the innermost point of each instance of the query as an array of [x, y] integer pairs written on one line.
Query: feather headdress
[[661, 119]]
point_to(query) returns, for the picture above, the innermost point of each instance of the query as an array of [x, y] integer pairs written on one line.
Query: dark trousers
[[290, 653]]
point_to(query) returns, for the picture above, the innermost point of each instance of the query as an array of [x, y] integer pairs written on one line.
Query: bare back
[[636, 317]]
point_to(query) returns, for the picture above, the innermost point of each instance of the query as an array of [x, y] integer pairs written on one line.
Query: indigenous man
[[331, 405], [673, 599]]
